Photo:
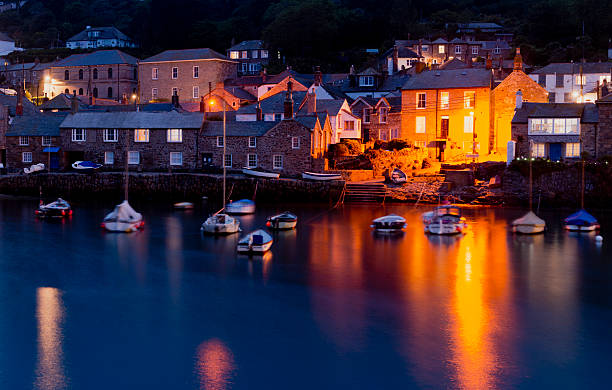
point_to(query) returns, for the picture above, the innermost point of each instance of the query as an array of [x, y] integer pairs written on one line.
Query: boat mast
[[126, 176], [530, 177], [223, 161], [582, 186]]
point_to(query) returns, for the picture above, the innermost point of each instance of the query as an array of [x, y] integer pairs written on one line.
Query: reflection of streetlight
[[47, 78], [212, 103]]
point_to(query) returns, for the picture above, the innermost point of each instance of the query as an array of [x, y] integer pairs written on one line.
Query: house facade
[[105, 74], [573, 82], [97, 37], [252, 57], [386, 119], [31, 74], [439, 51], [449, 112], [186, 73]]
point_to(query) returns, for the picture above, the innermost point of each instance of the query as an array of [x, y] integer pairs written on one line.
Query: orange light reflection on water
[[49, 315], [214, 365]]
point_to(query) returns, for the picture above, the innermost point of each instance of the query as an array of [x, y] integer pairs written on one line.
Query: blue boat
[[581, 221]]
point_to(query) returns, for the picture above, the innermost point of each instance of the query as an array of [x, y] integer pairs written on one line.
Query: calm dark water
[[333, 306]]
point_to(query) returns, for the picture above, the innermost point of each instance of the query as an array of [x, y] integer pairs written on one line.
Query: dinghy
[[85, 165], [321, 176], [243, 206], [391, 223], [283, 221], [221, 224], [123, 219], [529, 224], [259, 172], [445, 219], [34, 168], [256, 242], [398, 176], [58, 209], [581, 221]]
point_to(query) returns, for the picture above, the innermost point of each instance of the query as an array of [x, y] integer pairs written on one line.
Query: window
[[497, 50], [394, 133], [228, 161], [133, 158], [421, 102], [78, 135], [175, 73], [176, 158], [468, 124], [295, 142], [567, 97], [196, 92], [109, 158], [244, 66], [141, 135], [110, 92], [538, 150], [382, 114], [252, 142], [251, 160], [196, 72], [111, 135], [425, 49], [580, 80], [551, 97], [24, 140], [154, 93], [135, 74], [234, 55], [95, 74], [80, 74], [244, 54], [81, 91], [572, 149], [367, 113], [264, 54], [46, 140], [26, 157], [441, 49], [469, 98], [420, 124], [444, 100], [420, 144], [253, 67], [66, 75], [277, 161], [383, 134], [556, 126], [110, 73], [349, 125], [475, 50], [154, 73], [366, 81], [220, 142], [175, 135], [457, 49], [174, 91]]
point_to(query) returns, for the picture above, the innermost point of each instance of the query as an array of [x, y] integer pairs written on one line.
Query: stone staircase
[[365, 192]]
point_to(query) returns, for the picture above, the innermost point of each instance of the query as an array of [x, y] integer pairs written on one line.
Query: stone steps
[[365, 192]]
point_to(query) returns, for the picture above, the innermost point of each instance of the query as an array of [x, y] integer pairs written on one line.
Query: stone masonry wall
[[604, 133]]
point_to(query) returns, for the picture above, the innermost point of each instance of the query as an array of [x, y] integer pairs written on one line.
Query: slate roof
[[453, 64], [36, 125], [461, 78], [5, 38], [606, 99], [100, 57], [274, 104], [368, 100], [237, 128], [402, 52], [105, 33], [25, 66], [11, 102], [185, 55], [241, 93], [489, 45], [133, 120], [309, 121], [478, 25], [60, 102], [248, 45], [369, 72], [587, 112], [569, 68]]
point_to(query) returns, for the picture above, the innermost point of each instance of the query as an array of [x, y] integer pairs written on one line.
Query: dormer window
[[382, 114], [366, 81]]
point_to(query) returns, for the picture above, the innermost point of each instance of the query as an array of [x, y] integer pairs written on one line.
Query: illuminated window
[[141, 135], [420, 124], [580, 80], [220, 142], [254, 54], [155, 73], [251, 160], [46, 140], [234, 55], [228, 161], [176, 158], [252, 142], [109, 158], [572, 149], [468, 99], [277, 161], [175, 135], [441, 49], [244, 54], [366, 81], [264, 54], [133, 157], [24, 140], [420, 144], [175, 73], [550, 126], [26, 157], [421, 99], [78, 135], [111, 135], [444, 100], [295, 142], [468, 124], [538, 150]]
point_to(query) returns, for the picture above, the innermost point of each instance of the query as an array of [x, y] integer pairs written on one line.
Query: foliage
[[398, 144], [354, 147], [540, 166], [338, 150]]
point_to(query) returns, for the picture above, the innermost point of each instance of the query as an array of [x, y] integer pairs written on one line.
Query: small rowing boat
[[256, 242], [259, 172], [321, 176], [221, 224], [283, 221], [123, 219], [391, 223], [58, 209], [85, 165]]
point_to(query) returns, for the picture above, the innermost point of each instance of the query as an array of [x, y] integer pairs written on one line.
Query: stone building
[[252, 56], [557, 130], [96, 37], [186, 73], [386, 119], [10, 108], [504, 101], [573, 82], [105, 74], [603, 146]]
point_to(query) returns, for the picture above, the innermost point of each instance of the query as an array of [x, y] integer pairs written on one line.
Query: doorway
[[554, 151]]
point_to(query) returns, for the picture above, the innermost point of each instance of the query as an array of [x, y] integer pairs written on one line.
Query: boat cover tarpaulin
[[579, 218], [529, 219], [124, 212], [389, 218]]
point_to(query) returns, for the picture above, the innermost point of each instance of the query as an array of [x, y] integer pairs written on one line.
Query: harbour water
[[332, 305]]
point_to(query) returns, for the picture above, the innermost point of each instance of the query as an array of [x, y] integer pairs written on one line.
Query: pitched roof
[[370, 101], [479, 25], [491, 44], [185, 55], [60, 102], [100, 57], [11, 103], [104, 33], [331, 106], [248, 45], [606, 99], [36, 125], [453, 64], [273, 104], [574, 68], [369, 72], [237, 128], [134, 120], [309, 121], [460, 78], [241, 93], [587, 112]]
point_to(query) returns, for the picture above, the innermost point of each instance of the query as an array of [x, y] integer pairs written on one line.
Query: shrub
[[426, 163], [354, 146], [397, 144], [339, 149]]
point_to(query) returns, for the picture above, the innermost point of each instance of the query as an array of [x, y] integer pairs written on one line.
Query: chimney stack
[[311, 101], [19, 107], [489, 62], [175, 100], [202, 104], [74, 104], [518, 60], [394, 66], [519, 99], [318, 76], [258, 112], [288, 105]]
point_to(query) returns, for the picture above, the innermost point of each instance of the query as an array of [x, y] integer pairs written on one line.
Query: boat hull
[[53, 213], [528, 229], [269, 175], [578, 228], [240, 209], [445, 228], [227, 228], [281, 225], [254, 249], [321, 176], [123, 227]]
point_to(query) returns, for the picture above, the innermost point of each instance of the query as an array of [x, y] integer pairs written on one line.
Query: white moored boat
[[221, 224], [243, 206], [398, 176], [58, 209], [258, 172], [528, 224], [321, 176], [123, 219], [445, 219], [256, 242], [34, 168], [391, 223], [283, 221], [85, 165]]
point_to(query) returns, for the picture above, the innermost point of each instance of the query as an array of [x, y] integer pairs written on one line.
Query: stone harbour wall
[[175, 187]]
